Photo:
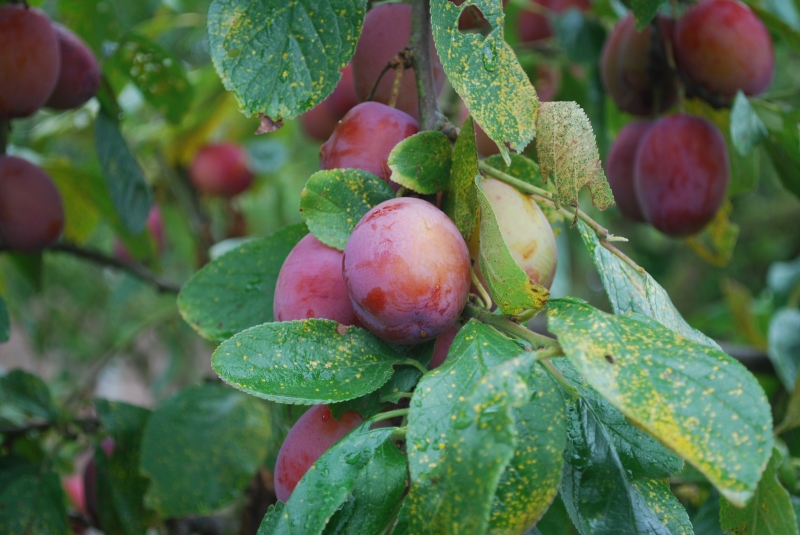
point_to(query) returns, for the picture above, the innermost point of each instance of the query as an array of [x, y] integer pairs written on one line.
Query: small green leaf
[[747, 129], [644, 11], [783, 147], [480, 445], [351, 489], [280, 58], [568, 154], [5, 322], [716, 242], [307, 362], [782, 277], [235, 291], [200, 448], [509, 285], [664, 383], [334, 201], [31, 500], [631, 291], [783, 345], [157, 74], [777, 25], [422, 162], [129, 190], [486, 74], [460, 201], [770, 512], [28, 394]]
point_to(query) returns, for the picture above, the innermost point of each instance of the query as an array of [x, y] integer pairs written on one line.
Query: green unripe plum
[[407, 271], [29, 60], [525, 230], [31, 210], [79, 78], [311, 436]]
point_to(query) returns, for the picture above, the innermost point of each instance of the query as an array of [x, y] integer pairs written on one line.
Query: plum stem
[[430, 116], [397, 396], [399, 433], [482, 293], [547, 354], [509, 326], [568, 387], [411, 362], [388, 415], [399, 71]]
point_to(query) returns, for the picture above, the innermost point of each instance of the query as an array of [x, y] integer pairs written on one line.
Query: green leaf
[[644, 11], [640, 454], [664, 383], [568, 154], [531, 481], [28, 394], [235, 291], [460, 201], [706, 519], [422, 162], [31, 500], [5, 322], [486, 74], [480, 445], [200, 448], [746, 130], [770, 512], [581, 36], [782, 277], [599, 493], [280, 58], [716, 242], [334, 201], [307, 362], [351, 489], [129, 191], [783, 345], [630, 291], [509, 285], [156, 73], [776, 25], [783, 147]]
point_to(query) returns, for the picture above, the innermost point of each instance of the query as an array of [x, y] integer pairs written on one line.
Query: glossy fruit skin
[[320, 121], [525, 230], [221, 169], [442, 346], [387, 28], [681, 174], [407, 271], [632, 79], [29, 60], [724, 46], [155, 226], [79, 78], [535, 26], [311, 436], [31, 210], [619, 168], [311, 285], [365, 137], [90, 483]]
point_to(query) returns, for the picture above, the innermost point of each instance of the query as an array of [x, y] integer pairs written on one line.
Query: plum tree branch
[[430, 116]]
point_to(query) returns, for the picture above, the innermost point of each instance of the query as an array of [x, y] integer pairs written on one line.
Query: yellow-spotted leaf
[[568, 154], [695, 399], [460, 201], [715, 243], [485, 72]]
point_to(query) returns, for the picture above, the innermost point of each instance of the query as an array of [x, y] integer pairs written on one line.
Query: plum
[[311, 436], [365, 137], [320, 121], [724, 46], [619, 168], [90, 482], [79, 78], [386, 31], [442, 346], [29, 60], [311, 285], [31, 210], [221, 169], [155, 226], [681, 174]]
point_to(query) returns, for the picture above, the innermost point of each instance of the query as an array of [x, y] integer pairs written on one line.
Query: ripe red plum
[[619, 168], [221, 169], [79, 78]]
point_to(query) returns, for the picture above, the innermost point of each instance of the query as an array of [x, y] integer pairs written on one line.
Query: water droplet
[[462, 421], [422, 445], [418, 402], [284, 76], [489, 54], [352, 457], [234, 53]]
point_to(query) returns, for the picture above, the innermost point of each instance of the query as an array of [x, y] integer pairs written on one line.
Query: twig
[[430, 116], [402, 58], [507, 325], [137, 270]]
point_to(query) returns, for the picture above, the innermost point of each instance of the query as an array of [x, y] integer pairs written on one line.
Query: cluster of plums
[[673, 172]]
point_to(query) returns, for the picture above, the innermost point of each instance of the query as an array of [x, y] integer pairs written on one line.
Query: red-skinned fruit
[[221, 169], [313, 434], [365, 137], [681, 174], [442, 346], [29, 60], [407, 271], [311, 285], [73, 488], [525, 230], [320, 121], [535, 26], [619, 168], [635, 80], [724, 46], [155, 226], [79, 78], [31, 210], [90, 483], [387, 28]]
